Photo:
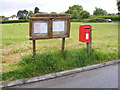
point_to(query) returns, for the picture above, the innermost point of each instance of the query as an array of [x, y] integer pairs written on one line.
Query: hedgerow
[[15, 21]]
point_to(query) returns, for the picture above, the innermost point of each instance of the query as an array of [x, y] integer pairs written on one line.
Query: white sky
[[10, 7]]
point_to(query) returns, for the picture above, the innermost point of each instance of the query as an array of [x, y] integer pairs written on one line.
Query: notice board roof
[[50, 16]]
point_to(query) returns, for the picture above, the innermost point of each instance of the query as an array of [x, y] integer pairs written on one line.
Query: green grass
[[14, 33], [54, 62], [17, 50], [104, 35]]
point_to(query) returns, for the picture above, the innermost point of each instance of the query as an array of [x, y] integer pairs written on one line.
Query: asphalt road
[[105, 77]]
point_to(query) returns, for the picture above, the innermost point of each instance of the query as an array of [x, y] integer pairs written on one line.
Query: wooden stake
[[63, 46], [89, 44], [34, 48], [91, 39], [88, 47]]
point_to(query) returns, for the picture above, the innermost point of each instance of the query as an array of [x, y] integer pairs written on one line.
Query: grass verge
[[53, 62]]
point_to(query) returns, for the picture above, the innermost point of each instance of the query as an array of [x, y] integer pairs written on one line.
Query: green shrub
[[94, 20], [75, 20], [97, 20], [113, 17], [86, 20], [15, 21]]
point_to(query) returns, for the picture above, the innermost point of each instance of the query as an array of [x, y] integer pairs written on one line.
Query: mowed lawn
[[104, 35], [16, 43]]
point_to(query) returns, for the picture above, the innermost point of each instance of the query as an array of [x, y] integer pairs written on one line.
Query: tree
[[85, 14], [2, 16], [77, 12], [118, 4], [53, 12], [43, 12], [99, 11], [30, 13], [36, 10], [22, 14]]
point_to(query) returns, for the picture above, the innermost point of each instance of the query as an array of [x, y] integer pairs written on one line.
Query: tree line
[[76, 11], [24, 14]]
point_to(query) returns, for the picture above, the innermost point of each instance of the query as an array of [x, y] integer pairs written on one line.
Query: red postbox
[[85, 33]]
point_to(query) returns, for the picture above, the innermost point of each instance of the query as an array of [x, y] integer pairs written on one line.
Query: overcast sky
[[10, 7]]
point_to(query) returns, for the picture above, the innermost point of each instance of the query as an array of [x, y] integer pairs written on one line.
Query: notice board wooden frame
[[49, 18]]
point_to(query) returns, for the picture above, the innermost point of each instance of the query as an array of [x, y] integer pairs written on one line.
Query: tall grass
[[53, 62]]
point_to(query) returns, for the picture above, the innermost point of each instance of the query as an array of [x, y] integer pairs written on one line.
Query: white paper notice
[[87, 36], [40, 27], [58, 26]]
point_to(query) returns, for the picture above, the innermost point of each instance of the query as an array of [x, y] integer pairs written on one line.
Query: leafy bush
[[97, 20], [94, 20], [15, 21], [113, 17], [75, 20]]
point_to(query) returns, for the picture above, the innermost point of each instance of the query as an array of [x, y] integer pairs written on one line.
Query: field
[[17, 49]]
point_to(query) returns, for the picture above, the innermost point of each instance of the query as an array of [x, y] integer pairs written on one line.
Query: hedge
[[98, 18], [91, 19], [75, 20], [15, 21], [94, 20], [113, 17]]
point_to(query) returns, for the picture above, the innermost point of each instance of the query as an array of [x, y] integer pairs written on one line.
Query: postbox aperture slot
[[87, 27]]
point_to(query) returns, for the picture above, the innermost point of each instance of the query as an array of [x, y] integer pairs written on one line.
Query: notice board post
[[49, 26], [34, 47], [63, 46]]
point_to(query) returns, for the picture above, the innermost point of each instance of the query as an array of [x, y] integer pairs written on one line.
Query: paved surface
[[106, 77]]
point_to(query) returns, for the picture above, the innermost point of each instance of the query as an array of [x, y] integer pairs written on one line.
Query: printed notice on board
[[58, 26], [40, 27]]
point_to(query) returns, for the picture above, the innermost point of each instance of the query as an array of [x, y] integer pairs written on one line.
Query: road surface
[[105, 77]]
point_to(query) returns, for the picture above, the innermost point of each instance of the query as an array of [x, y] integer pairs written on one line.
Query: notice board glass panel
[[59, 28], [40, 28]]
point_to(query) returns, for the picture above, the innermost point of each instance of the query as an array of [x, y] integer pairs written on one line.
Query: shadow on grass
[[54, 62]]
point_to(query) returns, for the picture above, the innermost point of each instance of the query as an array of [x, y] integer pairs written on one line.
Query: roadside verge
[[57, 74]]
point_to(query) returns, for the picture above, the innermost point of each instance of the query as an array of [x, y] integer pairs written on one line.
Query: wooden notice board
[[48, 26]]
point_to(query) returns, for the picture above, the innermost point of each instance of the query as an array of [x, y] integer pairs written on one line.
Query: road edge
[[57, 74]]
